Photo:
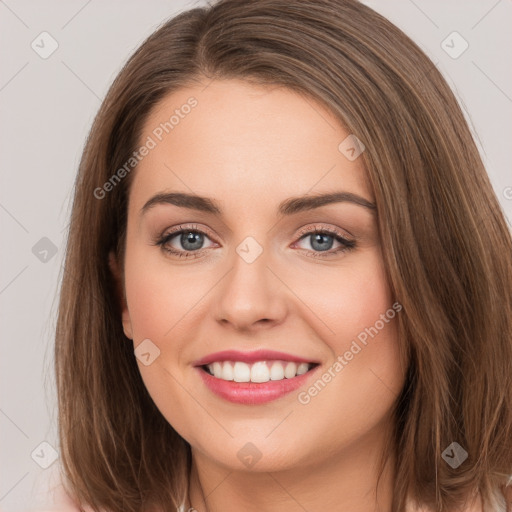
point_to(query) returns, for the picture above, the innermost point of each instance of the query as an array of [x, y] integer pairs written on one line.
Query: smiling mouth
[[257, 372]]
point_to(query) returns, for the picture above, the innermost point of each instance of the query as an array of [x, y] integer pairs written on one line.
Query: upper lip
[[250, 357]]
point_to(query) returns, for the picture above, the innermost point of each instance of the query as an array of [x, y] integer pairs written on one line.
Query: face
[[285, 301]]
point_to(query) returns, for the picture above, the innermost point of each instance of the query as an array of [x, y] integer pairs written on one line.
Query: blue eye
[[321, 241], [191, 240]]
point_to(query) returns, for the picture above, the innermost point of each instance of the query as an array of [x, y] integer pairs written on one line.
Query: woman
[[288, 280]]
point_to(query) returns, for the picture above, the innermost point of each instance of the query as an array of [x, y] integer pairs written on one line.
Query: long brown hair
[[446, 247]]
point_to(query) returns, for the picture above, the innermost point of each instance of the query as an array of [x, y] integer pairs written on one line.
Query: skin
[[250, 148]]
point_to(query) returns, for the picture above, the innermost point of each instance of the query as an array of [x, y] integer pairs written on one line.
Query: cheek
[[345, 300], [159, 298], [158, 295], [355, 391], [356, 316]]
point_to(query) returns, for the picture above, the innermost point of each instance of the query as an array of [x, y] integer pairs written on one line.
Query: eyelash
[[346, 244]]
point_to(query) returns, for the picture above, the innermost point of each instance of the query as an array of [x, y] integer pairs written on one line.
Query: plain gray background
[[47, 106]]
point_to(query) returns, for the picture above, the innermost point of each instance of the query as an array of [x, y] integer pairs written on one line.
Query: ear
[[118, 278]]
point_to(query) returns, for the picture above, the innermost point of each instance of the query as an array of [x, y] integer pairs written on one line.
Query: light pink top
[[52, 497]]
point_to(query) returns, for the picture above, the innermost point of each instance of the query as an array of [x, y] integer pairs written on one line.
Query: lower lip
[[253, 393]]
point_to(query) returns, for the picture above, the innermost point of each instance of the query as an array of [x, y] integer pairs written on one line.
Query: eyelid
[[187, 227], [332, 230]]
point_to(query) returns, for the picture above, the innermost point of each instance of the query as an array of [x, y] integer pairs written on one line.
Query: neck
[[345, 480]]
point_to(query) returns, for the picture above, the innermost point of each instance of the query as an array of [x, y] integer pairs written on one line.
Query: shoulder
[[51, 495], [59, 501]]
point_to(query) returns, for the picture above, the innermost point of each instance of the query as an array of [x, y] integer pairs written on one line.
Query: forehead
[[245, 143]]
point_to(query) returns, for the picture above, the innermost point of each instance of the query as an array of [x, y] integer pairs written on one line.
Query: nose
[[251, 296]]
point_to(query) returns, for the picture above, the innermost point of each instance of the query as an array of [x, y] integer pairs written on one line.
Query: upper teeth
[[260, 371]]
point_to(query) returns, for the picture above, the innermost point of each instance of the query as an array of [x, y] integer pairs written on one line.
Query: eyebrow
[[289, 206]]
